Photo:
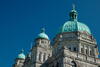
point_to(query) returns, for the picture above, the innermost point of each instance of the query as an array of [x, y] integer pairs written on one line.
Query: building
[[73, 46]]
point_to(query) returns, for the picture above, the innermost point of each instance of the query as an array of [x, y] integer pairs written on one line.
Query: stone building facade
[[73, 46]]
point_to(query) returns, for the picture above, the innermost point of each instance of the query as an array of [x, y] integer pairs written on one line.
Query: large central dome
[[73, 25]]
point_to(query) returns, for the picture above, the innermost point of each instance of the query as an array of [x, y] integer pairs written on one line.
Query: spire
[[43, 30], [22, 51], [73, 14], [73, 7]]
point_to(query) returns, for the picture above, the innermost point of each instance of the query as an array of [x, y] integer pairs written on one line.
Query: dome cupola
[[73, 25], [73, 14], [43, 34], [21, 55]]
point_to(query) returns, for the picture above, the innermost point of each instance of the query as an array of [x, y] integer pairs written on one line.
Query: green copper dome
[[73, 25], [43, 34], [21, 55]]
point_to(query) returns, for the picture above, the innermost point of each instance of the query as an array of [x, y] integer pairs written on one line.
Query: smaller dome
[[43, 34], [21, 55]]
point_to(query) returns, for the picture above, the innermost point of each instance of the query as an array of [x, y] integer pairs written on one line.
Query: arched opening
[[90, 52], [74, 64], [82, 50], [44, 57], [75, 49], [86, 51], [40, 55]]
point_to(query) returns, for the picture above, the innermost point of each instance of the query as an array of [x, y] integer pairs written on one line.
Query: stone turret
[[19, 61], [40, 51]]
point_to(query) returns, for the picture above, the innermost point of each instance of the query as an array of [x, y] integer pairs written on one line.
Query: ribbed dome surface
[[72, 26]]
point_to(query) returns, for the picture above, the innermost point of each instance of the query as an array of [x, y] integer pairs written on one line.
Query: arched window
[[73, 64], [82, 51], [44, 57], [90, 52], [75, 49], [69, 48], [40, 55]]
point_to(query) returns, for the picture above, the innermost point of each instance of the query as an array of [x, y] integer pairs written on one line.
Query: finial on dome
[[43, 30], [22, 51], [73, 14], [73, 7]]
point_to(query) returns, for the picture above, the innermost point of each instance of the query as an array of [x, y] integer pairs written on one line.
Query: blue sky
[[21, 21]]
